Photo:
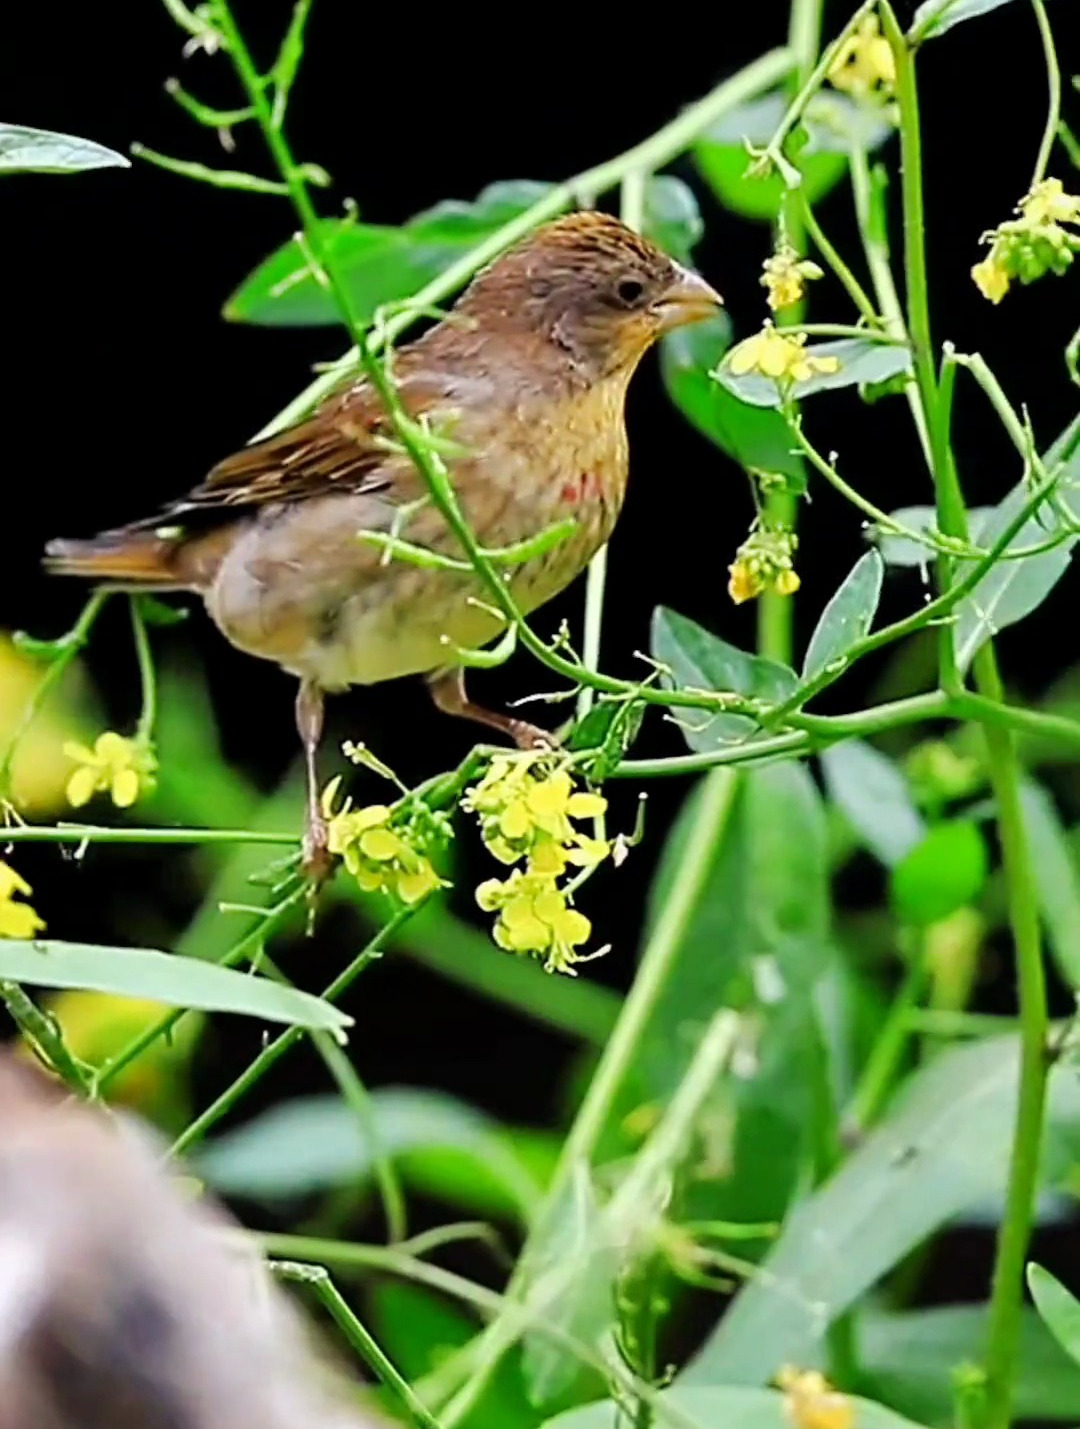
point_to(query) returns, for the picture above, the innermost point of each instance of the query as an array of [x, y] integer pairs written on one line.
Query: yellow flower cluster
[[785, 275], [120, 767], [526, 804], [779, 355], [864, 65], [812, 1403], [382, 858], [17, 920], [764, 561], [1032, 245]]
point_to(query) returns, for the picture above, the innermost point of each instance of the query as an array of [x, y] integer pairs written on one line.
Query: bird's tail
[[128, 556]]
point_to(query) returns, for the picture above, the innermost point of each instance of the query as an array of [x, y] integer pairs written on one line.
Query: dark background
[[123, 384]]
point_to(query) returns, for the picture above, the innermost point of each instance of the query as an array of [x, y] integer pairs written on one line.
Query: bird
[[526, 375], [125, 1302]]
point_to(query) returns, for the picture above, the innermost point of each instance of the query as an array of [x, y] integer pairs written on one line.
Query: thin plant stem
[[847, 278], [44, 1035], [80, 834], [1053, 82], [147, 674], [886, 1059]]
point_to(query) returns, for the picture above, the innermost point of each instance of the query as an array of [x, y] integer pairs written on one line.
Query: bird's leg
[[317, 861], [448, 691]]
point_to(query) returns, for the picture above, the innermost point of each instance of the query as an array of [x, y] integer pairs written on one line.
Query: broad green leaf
[[902, 550], [909, 1360], [875, 797], [313, 1143], [833, 123], [861, 360], [41, 151], [726, 1407], [697, 660], [672, 217], [934, 17], [1057, 879], [377, 264], [848, 615], [943, 1148], [1059, 1308], [757, 438], [163, 977], [945, 872]]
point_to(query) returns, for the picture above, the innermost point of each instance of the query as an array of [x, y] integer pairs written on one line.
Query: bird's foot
[[316, 862], [530, 736]]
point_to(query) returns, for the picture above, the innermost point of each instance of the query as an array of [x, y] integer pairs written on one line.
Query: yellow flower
[[779, 355], [764, 562], [785, 275], [812, 1403], [1049, 203], [534, 917], [864, 63], [17, 920], [524, 803], [121, 767], [745, 582], [382, 859], [991, 277]]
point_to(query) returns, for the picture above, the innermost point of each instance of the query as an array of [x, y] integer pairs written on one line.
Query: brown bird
[[124, 1304], [528, 376]]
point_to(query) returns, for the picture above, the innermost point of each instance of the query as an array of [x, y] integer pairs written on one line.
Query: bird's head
[[592, 288]]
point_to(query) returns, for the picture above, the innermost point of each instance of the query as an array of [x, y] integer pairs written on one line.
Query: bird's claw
[[531, 736]]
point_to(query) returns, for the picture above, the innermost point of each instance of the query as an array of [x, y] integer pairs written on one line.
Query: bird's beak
[[687, 300]]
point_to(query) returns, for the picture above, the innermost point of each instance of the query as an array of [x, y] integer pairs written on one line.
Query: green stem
[[147, 675], [44, 1035], [885, 1061], [831, 255], [1053, 82], [100, 834]]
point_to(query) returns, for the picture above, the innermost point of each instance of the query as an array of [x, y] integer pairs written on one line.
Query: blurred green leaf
[[758, 439], [727, 1407], [874, 796], [313, 1143], [909, 1360], [698, 660], [1057, 879], [943, 1147], [1058, 1307], [377, 264], [164, 977], [41, 151], [672, 217], [848, 615], [832, 123], [934, 17], [861, 360], [945, 872]]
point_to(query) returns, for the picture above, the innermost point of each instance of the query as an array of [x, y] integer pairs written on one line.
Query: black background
[[122, 384]]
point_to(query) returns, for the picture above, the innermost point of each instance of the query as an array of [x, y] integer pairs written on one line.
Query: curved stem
[[1053, 82], [147, 674]]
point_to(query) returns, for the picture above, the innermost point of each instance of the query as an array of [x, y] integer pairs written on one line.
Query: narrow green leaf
[[698, 660], [315, 1143], [757, 438], [1057, 879], [934, 17], [376, 264], [910, 1360], [943, 873], [1058, 1307], [875, 797], [672, 217], [848, 615], [41, 151], [728, 1406], [942, 1149], [163, 977], [861, 360]]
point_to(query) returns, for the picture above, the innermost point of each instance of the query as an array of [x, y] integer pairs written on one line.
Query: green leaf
[[909, 1360], [902, 550], [727, 1406], [942, 1149], [314, 1143], [41, 151], [672, 218], [875, 797], [163, 977], [758, 439], [833, 123], [377, 264], [700, 661], [847, 617], [861, 361], [1059, 1308], [945, 872], [934, 17], [1057, 879]]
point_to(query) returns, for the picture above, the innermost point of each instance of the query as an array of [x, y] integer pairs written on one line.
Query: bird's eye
[[630, 292]]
